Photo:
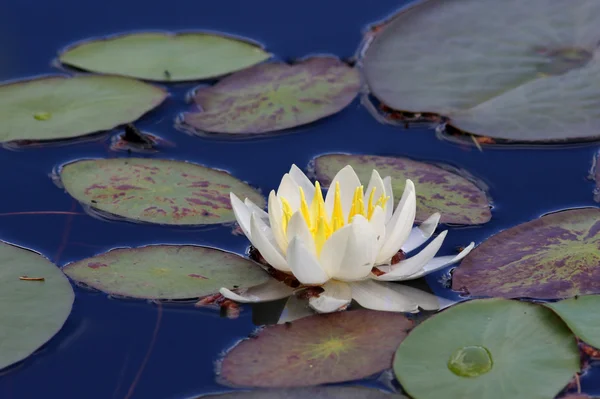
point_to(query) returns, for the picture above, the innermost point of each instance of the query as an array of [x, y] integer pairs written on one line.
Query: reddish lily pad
[[166, 272], [459, 200], [555, 256], [311, 392], [316, 350], [275, 96], [538, 80], [156, 190], [58, 107]]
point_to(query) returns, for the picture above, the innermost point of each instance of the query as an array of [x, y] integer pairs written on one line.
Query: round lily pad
[[310, 392], [275, 96], [316, 350], [156, 190], [165, 56], [519, 70], [579, 314], [438, 190], [58, 107], [553, 257], [488, 349], [166, 272], [35, 301]]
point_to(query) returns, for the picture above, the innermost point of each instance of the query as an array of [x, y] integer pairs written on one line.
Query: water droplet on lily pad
[[42, 116], [156, 190], [274, 96], [579, 314], [553, 257], [488, 349], [318, 349], [35, 301], [165, 56], [538, 80]]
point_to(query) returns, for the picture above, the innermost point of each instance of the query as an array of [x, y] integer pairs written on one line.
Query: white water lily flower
[[336, 241]]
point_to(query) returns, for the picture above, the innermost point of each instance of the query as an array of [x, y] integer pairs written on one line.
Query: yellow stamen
[[358, 205], [304, 209], [382, 201], [287, 213], [321, 234], [317, 208], [337, 217], [371, 206]]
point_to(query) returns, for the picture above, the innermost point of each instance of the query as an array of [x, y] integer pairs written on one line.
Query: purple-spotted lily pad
[[511, 69], [438, 190], [35, 301], [166, 272], [165, 56], [555, 256], [275, 96], [316, 350], [310, 392], [58, 107], [156, 190]]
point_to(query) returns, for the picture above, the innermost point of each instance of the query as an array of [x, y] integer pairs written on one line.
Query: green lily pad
[[553, 257], [580, 315], [438, 190], [33, 311], [58, 107], [518, 70], [316, 350], [488, 349], [275, 96], [310, 392], [165, 56], [166, 272], [156, 190]]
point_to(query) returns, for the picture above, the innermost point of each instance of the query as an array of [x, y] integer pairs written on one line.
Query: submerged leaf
[[31, 311], [488, 349], [165, 56], [275, 96], [555, 256], [458, 200], [58, 107], [304, 393], [156, 190], [580, 315], [517, 70], [317, 349], [166, 272]]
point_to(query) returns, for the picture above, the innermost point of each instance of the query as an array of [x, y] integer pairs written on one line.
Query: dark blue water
[[111, 348]]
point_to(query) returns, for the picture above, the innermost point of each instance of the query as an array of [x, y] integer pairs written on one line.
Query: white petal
[[423, 299], [412, 265], [398, 230], [348, 182], [304, 265], [334, 249], [360, 253], [301, 180], [408, 188], [440, 262], [275, 220], [377, 184], [269, 291], [419, 235], [253, 208], [295, 309], [297, 228], [263, 240], [337, 296], [288, 189], [389, 191], [373, 295], [377, 222], [242, 214]]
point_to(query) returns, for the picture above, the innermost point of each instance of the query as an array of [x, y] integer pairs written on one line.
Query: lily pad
[[580, 315], [316, 350], [519, 70], [35, 301], [166, 272], [553, 257], [58, 107], [156, 190], [438, 190], [311, 392], [275, 96], [488, 349], [165, 56]]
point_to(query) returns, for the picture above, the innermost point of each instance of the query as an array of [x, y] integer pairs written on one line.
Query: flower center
[[320, 225]]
